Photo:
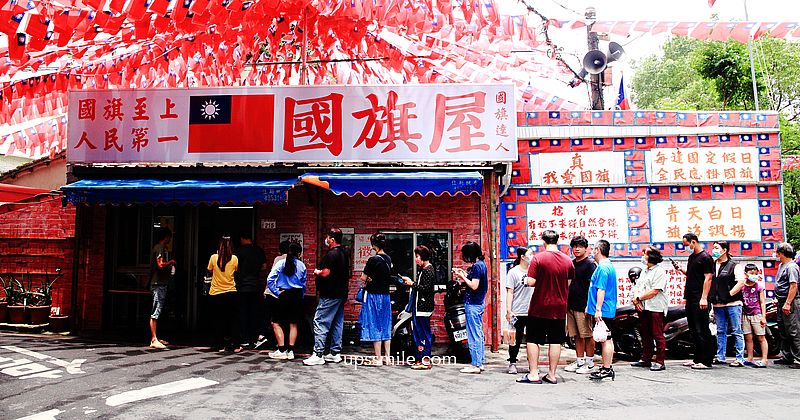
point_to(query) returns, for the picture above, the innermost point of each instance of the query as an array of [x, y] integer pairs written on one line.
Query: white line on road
[[44, 415], [159, 391]]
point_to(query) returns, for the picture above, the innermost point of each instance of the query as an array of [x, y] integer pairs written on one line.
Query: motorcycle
[[455, 320]]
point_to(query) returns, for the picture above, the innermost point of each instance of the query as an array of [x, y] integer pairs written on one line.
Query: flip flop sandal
[[526, 380], [549, 381], [759, 364]]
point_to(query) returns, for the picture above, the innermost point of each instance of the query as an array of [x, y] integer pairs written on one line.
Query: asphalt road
[[69, 378]]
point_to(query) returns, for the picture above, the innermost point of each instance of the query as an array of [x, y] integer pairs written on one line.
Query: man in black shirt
[[249, 287], [333, 276], [579, 325], [699, 274]]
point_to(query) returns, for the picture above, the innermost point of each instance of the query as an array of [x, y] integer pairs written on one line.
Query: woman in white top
[[518, 298], [650, 298]]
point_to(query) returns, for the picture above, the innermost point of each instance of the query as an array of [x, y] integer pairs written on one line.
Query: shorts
[[579, 324], [545, 331], [289, 308], [751, 324], [159, 299]]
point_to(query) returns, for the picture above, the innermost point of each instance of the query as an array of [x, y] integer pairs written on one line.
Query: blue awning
[[395, 183], [190, 191]]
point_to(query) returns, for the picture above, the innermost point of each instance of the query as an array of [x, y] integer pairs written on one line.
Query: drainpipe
[[75, 264]]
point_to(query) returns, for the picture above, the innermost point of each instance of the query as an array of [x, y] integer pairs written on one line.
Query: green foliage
[[708, 75]]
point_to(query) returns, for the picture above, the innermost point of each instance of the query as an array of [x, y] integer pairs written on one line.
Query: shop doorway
[[212, 224]]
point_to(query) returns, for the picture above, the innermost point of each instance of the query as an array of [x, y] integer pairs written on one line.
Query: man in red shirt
[[550, 272]]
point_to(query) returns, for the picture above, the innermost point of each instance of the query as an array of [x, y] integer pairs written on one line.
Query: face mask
[[753, 278], [644, 259], [715, 254]]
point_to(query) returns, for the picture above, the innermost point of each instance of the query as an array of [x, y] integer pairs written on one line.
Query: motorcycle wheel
[[461, 352], [403, 343]]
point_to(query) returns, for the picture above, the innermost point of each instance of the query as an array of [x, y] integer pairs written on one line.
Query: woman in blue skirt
[[376, 311]]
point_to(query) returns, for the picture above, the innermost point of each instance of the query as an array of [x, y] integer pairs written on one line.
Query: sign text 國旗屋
[[594, 220], [404, 123]]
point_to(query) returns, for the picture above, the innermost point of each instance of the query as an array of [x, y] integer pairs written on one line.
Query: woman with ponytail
[[287, 281], [222, 296]]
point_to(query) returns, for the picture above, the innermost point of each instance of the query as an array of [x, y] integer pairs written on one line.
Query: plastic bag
[[600, 332]]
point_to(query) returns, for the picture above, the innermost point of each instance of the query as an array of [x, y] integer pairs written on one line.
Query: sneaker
[[333, 358], [688, 364], [642, 364], [290, 355], [421, 366], [261, 340], [586, 368], [783, 361], [471, 369], [603, 373], [155, 344], [655, 367], [572, 367], [314, 360], [512, 368], [736, 363], [277, 355]]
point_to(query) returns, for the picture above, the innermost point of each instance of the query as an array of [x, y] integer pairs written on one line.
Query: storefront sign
[[362, 251], [578, 169], [292, 237], [703, 165], [710, 220], [440, 123], [594, 220]]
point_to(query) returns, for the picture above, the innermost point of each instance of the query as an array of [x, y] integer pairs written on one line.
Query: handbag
[[361, 295], [600, 332]]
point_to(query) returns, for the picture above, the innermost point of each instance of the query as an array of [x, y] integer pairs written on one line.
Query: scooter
[[455, 320]]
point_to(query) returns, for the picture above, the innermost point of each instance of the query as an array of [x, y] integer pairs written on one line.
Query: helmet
[[634, 273]]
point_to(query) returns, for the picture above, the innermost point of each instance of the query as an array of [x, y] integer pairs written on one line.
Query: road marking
[[159, 391], [44, 415]]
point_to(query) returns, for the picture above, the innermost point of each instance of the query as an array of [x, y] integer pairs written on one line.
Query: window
[[400, 246]]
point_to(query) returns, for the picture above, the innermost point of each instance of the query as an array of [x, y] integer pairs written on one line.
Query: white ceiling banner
[[592, 219], [401, 123]]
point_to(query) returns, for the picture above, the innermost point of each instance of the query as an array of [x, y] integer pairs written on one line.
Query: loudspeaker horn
[[594, 62], [615, 52]]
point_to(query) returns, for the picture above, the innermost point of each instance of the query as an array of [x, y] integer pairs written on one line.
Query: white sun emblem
[[210, 109]]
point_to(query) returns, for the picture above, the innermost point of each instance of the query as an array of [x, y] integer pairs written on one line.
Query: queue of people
[[549, 296]]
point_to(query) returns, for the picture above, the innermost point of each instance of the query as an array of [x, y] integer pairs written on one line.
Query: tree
[[708, 75]]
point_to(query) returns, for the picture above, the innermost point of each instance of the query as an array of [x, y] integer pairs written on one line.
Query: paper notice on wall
[[293, 237], [710, 220], [594, 220], [578, 169], [362, 250], [702, 165]]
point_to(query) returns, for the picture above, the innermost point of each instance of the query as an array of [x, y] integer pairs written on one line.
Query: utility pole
[[593, 41]]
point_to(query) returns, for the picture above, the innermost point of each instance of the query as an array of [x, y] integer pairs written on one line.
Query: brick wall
[[36, 239], [91, 267], [461, 215]]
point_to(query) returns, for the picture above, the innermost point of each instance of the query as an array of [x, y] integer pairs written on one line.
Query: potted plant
[[5, 287], [15, 297], [40, 299]]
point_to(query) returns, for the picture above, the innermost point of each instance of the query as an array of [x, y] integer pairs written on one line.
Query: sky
[[639, 46]]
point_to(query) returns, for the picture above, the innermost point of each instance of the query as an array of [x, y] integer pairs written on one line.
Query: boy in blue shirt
[[602, 303]]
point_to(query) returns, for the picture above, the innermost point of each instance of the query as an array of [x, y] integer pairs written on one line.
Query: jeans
[[474, 314], [701, 333], [513, 348], [729, 316], [329, 318], [159, 300], [652, 330], [423, 337], [789, 329]]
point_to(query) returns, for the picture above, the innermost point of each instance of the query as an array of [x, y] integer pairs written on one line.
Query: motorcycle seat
[[675, 312]]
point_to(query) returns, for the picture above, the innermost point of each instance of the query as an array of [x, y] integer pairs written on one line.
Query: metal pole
[[593, 41], [752, 66]]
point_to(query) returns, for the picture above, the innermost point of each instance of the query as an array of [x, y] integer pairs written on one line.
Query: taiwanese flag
[[622, 100], [231, 123]]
